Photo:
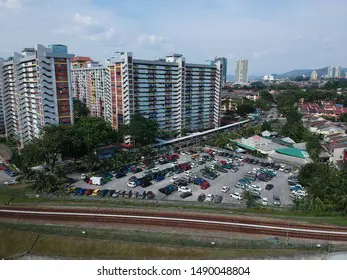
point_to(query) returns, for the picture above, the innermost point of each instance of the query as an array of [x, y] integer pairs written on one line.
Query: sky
[[275, 35]]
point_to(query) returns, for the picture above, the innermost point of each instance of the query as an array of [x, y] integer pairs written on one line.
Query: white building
[[314, 76], [268, 78], [241, 72], [36, 91], [337, 71], [330, 73]]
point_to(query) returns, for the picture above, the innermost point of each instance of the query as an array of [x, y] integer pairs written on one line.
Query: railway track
[[182, 220]]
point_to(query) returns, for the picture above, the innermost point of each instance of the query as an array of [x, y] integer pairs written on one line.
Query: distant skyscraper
[[314, 76], [224, 63], [337, 71], [241, 73], [330, 71]]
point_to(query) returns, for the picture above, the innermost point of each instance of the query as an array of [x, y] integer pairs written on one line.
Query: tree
[[80, 109], [262, 104], [343, 117], [90, 133], [143, 131], [245, 109], [51, 144], [266, 96], [266, 126]]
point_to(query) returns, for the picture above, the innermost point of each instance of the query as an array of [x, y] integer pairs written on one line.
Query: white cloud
[[87, 27], [84, 20], [152, 39], [13, 4]]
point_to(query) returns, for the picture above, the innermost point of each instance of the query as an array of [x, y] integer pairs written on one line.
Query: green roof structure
[[243, 146], [293, 152]]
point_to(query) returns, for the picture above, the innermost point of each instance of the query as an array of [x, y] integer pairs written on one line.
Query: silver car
[[276, 200]]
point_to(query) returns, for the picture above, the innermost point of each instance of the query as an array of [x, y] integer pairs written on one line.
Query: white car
[[155, 169], [236, 195], [225, 189], [265, 201], [169, 174], [194, 165], [83, 176], [131, 184], [300, 193], [10, 182], [184, 189], [188, 173], [209, 197], [183, 153], [174, 179], [255, 188]]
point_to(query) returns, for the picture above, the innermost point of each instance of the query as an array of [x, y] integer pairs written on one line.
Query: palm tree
[[27, 175]]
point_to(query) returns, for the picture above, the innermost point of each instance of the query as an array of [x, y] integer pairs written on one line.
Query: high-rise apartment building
[[2, 124], [36, 91], [241, 72], [314, 76], [330, 73], [224, 62], [338, 71], [177, 95], [90, 84]]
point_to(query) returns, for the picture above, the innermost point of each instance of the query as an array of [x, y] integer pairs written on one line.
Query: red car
[[176, 156], [223, 162], [205, 185], [88, 192]]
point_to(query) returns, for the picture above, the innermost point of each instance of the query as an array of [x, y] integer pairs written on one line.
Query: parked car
[[201, 197], [116, 193], [218, 199], [169, 174], [120, 175], [186, 194], [150, 195], [276, 200], [83, 176], [264, 177], [269, 187], [209, 198], [131, 184], [204, 185], [236, 195], [88, 192], [184, 189], [10, 182], [255, 187], [110, 193], [95, 192], [265, 201], [194, 164], [225, 189], [159, 178], [137, 170]]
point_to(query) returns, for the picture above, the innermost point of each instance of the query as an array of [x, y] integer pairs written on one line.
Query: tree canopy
[[142, 130]]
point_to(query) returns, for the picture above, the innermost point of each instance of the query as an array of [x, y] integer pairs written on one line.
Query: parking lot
[[229, 179]]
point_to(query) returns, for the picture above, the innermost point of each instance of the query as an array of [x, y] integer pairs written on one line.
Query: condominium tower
[[241, 72], [36, 90], [179, 96]]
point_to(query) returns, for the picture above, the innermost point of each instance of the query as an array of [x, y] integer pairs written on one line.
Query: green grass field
[[69, 242]]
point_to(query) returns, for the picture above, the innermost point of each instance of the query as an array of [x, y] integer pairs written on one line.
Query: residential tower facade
[[241, 72], [36, 91], [179, 96]]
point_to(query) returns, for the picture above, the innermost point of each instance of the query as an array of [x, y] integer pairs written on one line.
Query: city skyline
[[273, 35]]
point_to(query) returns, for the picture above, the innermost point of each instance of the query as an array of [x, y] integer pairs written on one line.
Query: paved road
[[225, 179]]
